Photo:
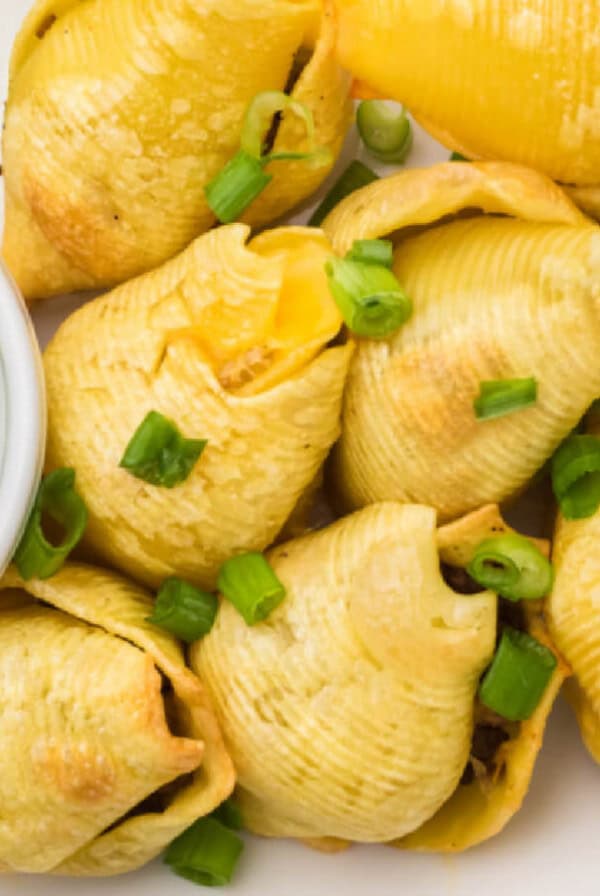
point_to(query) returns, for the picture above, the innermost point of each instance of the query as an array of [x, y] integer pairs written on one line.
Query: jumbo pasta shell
[[229, 342], [494, 298], [349, 711], [85, 736], [481, 808], [116, 121], [515, 80], [574, 617]]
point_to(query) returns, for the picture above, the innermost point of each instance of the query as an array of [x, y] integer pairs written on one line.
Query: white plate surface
[[551, 848]]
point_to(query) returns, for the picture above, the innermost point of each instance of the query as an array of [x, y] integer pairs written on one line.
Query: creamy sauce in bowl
[[22, 416]]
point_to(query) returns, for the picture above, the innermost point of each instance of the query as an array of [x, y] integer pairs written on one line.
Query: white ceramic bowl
[[22, 417]]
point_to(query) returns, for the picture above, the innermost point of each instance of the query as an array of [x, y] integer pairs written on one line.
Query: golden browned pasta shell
[[508, 294], [117, 119], [86, 734], [229, 342], [349, 711], [304, 697], [574, 615], [482, 808], [494, 79]]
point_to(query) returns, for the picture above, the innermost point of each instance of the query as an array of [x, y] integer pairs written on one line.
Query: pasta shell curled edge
[[189, 341], [94, 740], [503, 272]]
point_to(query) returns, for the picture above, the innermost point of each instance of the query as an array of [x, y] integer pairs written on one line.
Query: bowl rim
[[22, 455]]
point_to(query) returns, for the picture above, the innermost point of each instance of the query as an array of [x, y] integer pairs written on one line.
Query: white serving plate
[[551, 848]]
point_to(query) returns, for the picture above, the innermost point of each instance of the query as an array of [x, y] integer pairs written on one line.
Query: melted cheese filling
[[256, 345]]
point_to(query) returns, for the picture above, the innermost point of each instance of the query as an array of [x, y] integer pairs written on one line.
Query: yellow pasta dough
[[574, 614], [494, 79], [86, 734], [480, 809], [505, 295], [229, 342], [349, 712], [121, 111]]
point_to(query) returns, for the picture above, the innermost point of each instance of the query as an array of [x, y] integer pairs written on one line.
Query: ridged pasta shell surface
[[516, 80], [349, 711], [229, 342], [121, 111], [481, 808], [513, 293], [574, 615], [86, 736]]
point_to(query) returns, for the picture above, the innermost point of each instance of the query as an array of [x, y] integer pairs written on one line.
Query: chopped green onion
[[385, 130], [159, 454], [500, 397], [513, 567], [372, 252], [36, 557], [207, 853], [314, 159], [457, 157], [248, 581], [372, 302], [259, 117], [520, 673], [184, 610], [576, 476], [236, 186], [354, 178], [243, 179], [228, 813]]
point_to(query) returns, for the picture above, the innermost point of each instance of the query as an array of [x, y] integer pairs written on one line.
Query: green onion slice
[[520, 673], [236, 186], [354, 178], [576, 476], [258, 120], [159, 454], [372, 302], [500, 397], [228, 813], [57, 499], [457, 157], [243, 179], [372, 252], [385, 130], [259, 117], [207, 853], [248, 581], [184, 610], [513, 567]]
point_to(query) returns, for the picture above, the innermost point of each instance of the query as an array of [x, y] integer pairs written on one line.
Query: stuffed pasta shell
[[514, 80], [109, 747], [223, 350], [120, 114], [503, 755], [503, 273], [573, 611], [350, 712]]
